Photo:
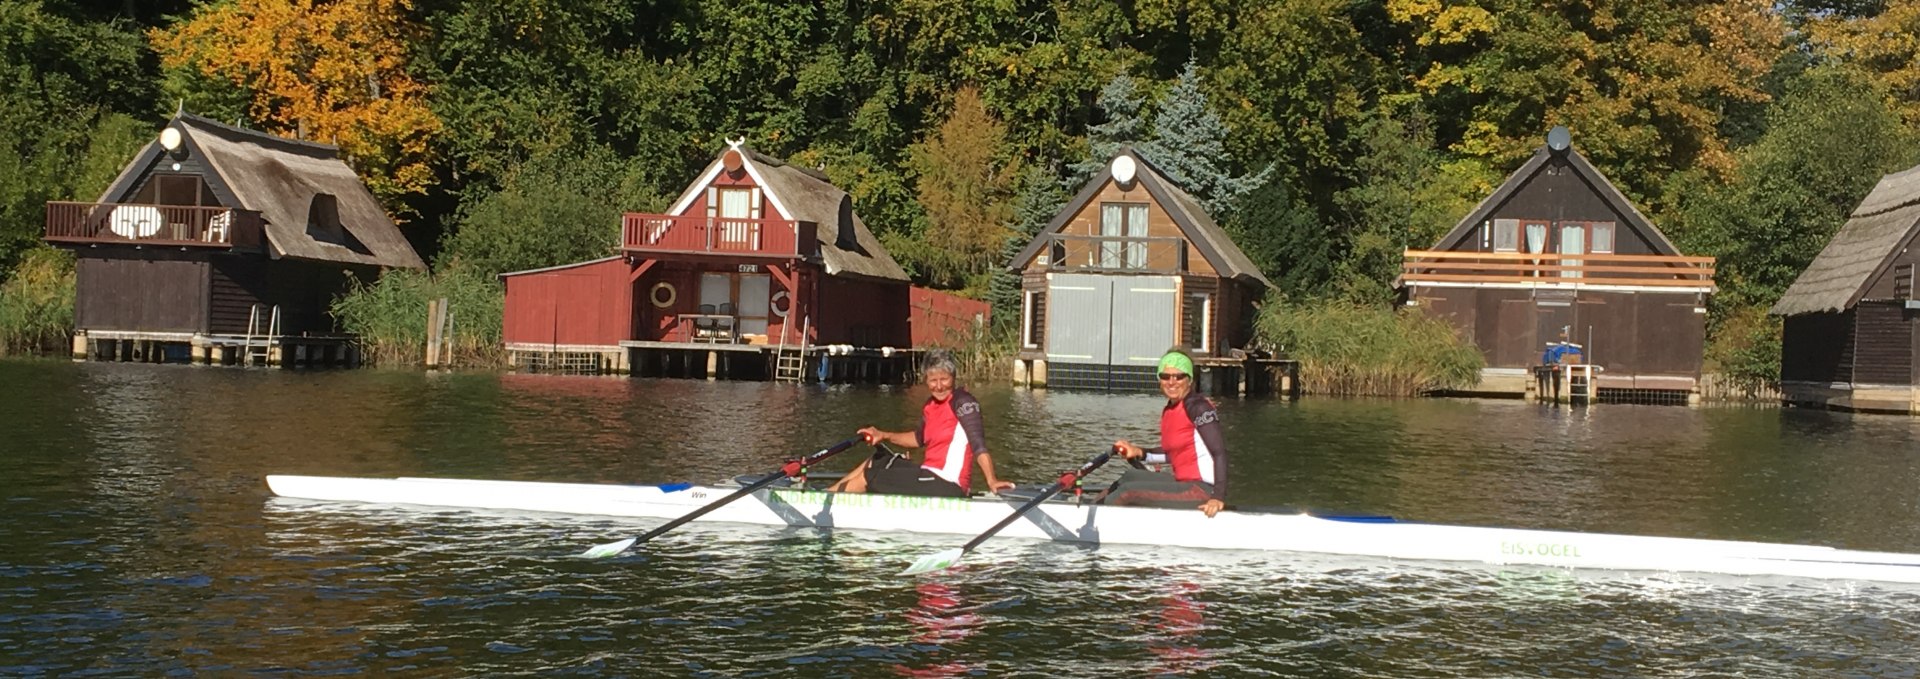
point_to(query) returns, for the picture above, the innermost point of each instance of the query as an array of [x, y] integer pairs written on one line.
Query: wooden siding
[[1883, 344], [1629, 333], [1817, 348], [1895, 281], [156, 291], [1557, 194], [945, 320], [1086, 222], [304, 291], [582, 305], [193, 164], [863, 313]]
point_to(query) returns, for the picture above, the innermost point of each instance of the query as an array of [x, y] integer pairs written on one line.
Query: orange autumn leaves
[[333, 71]]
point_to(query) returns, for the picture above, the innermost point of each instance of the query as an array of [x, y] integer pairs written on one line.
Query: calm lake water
[[137, 537]]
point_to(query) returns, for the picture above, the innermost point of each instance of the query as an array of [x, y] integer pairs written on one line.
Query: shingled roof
[[847, 248], [1208, 238], [1873, 235], [281, 179]]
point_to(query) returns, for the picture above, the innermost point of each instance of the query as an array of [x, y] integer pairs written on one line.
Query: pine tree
[[1039, 199], [1189, 147], [1120, 101]]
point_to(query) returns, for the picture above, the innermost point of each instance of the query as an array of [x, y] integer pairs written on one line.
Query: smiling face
[[1175, 383], [940, 383]]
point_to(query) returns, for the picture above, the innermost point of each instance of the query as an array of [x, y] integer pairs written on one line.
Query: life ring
[[774, 304], [654, 294]]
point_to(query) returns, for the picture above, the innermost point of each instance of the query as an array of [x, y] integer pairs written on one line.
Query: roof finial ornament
[[180, 107], [735, 143]]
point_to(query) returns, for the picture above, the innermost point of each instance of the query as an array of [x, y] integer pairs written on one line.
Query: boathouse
[[223, 244], [1129, 267], [1848, 338], [1567, 288], [760, 269]]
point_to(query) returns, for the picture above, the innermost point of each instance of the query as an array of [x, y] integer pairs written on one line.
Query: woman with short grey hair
[[952, 432]]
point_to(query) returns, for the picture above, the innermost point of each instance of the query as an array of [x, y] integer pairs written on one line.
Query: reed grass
[[389, 316], [1348, 349], [36, 302]]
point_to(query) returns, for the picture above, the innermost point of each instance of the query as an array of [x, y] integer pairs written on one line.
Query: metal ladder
[[262, 351], [790, 363], [1580, 381]]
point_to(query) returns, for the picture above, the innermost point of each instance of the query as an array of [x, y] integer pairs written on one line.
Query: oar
[[947, 558], [791, 468]]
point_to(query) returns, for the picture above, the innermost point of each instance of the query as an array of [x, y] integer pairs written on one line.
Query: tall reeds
[[1347, 349], [390, 316], [36, 302]]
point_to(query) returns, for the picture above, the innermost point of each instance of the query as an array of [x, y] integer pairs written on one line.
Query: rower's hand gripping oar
[[947, 558], [793, 467]]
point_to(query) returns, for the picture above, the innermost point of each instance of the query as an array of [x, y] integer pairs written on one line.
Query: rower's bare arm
[[986, 467], [1128, 450], [904, 439]]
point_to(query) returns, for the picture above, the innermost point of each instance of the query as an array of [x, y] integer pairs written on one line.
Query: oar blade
[[940, 560], [609, 549]]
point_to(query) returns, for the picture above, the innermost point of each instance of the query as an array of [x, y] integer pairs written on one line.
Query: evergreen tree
[[1284, 237], [1039, 199], [1120, 101], [1189, 146]]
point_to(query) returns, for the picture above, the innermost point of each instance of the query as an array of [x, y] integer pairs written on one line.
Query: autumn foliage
[[334, 72]]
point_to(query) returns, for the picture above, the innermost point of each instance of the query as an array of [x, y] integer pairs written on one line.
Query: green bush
[[1351, 350], [36, 303], [389, 315], [1744, 347]]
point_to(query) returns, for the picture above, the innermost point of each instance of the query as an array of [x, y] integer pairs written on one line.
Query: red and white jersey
[[952, 432], [1190, 442]]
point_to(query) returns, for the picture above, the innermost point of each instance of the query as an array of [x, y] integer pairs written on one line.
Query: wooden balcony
[[699, 234], [162, 225], [1528, 269], [1115, 254]]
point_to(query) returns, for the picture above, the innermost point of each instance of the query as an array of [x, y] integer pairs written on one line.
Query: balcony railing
[[1556, 270], [1143, 254], [702, 234], [171, 225]]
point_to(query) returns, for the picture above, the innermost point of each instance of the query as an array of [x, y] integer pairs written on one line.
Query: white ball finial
[[1123, 169]]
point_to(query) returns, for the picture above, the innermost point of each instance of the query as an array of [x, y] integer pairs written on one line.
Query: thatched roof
[[1208, 238], [847, 248], [1873, 235], [281, 178], [1586, 172]]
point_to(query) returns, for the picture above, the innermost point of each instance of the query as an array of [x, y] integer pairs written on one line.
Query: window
[[1602, 235], [1506, 235], [1573, 241], [1536, 236], [1029, 336], [1123, 220], [1197, 318], [736, 205]]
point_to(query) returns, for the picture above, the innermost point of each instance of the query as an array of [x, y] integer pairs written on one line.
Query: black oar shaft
[[1069, 477], [785, 471]]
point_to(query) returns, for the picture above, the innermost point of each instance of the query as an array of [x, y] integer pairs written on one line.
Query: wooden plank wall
[[1883, 344], [157, 292]]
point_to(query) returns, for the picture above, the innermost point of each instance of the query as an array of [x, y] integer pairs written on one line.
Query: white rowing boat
[[1074, 522]]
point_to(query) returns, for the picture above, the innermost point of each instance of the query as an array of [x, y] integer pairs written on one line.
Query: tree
[[1040, 198], [1880, 40], [1403, 196], [1124, 126], [335, 72], [1285, 238], [966, 186], [1189, 146], [560, 207]]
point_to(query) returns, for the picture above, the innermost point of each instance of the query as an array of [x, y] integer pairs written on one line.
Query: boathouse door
[[1108, 332]]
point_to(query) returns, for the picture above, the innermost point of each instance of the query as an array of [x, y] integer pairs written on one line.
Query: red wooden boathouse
[[757, 257]]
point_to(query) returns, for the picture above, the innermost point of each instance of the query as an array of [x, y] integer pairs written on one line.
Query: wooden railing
[[1154, 254], [702, 234], [181, 225], [1430, 266]]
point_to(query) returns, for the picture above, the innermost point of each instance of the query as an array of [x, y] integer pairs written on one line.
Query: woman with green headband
[[1190, 444]]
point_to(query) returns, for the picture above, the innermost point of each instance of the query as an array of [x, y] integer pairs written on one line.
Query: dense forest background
[[1327, 135]]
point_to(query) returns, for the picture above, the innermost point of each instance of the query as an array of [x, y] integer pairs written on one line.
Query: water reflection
[[941, 620], [1177, 642]]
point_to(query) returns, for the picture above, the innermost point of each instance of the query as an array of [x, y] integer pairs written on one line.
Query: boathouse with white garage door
[[1128, 268]]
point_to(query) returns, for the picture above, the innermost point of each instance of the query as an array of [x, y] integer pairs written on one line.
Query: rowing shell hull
[[1072, 522]]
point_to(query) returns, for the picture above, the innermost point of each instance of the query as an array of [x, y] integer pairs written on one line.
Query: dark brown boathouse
[[1558, 263], [1848, 339], [1129, 267], [223, 244]]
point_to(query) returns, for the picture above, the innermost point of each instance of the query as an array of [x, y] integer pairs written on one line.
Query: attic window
[[1506, 235], [323, 224]]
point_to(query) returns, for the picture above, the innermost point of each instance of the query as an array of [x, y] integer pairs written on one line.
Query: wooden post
[[433, 333]]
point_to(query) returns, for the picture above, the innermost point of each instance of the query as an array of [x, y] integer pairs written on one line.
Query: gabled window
[[1506, 235]]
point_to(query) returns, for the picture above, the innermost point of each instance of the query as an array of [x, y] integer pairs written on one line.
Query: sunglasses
[[1173, 377]]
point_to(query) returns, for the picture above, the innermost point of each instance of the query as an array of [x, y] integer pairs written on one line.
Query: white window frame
[[1510, 228], [1026, 320], [1204, 345]]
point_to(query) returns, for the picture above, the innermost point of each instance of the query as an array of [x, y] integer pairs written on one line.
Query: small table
[[694, 319]]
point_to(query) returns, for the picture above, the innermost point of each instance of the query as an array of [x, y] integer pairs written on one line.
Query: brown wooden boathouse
[[1129, 267], [223, 244], [1558, 255], [1849, 338]]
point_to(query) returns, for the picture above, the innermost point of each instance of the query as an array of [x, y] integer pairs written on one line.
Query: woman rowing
[[950, 430], [1190, 443]]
